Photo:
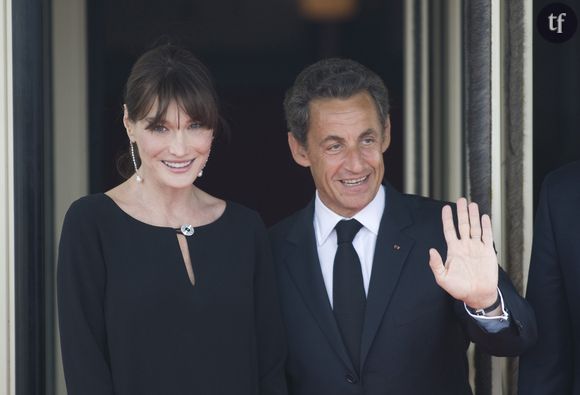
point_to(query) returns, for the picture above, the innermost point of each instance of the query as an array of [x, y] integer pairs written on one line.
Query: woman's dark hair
[[170, 73]]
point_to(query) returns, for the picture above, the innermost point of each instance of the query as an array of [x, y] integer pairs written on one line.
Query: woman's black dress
[[131, 322]]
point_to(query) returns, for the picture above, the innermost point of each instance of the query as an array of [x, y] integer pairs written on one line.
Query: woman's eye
[[157, 128], [195, 125]]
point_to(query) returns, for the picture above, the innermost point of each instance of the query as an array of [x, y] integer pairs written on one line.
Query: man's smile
[[354, 181]]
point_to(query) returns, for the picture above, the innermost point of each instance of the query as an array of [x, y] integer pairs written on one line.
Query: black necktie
[[348, 293]]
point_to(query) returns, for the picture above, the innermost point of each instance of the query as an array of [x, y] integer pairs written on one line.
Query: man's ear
[[128, 124], [298, 150], [386, 135]]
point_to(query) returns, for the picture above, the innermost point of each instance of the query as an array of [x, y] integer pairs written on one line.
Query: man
[[552, 365], [359, 267]]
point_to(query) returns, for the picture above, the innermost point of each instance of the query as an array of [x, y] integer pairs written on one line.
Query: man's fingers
[[437, 266], [475, 226], [448, 226], [462, 218], [487, 235]]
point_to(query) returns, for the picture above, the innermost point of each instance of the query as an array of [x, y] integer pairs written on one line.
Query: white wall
[[7, 375], [70, 120]]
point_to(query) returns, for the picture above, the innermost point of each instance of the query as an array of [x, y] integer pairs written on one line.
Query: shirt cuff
[[492, 324]]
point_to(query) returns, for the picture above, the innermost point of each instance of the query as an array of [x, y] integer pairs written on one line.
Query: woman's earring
[[138, 176], [201, 171]]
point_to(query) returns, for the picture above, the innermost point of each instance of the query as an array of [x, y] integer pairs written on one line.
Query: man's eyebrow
[[332, 137], [367, 133]]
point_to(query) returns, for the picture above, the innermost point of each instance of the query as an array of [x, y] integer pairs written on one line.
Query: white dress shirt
[[364, 243]]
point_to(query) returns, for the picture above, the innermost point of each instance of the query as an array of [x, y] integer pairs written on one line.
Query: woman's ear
[[128, 124]]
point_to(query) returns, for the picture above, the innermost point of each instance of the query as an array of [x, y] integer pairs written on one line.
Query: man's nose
[[354, 160]]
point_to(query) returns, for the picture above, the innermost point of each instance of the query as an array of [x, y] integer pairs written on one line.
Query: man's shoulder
[[422, 202], [564, 179], [424, 213], [280, 230], [421, 207]]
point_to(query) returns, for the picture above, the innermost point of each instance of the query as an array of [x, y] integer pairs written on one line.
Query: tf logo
[[557, 22]]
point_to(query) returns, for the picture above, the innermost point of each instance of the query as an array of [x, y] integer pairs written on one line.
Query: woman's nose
[[178, 143]]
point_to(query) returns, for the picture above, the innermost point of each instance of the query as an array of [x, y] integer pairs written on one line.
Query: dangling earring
[[138, 177], [201, 171]]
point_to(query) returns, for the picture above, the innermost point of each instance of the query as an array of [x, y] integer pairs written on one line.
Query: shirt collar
[[370, 216]]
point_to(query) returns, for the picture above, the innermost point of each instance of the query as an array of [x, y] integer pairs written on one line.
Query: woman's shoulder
[[89, 207], [86, 217], [89, 203], [239, 215], [243, 213], [234, 211]]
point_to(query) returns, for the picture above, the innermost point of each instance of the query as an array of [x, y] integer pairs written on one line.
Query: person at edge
[[162, 288], [551, 367], [379, 293]]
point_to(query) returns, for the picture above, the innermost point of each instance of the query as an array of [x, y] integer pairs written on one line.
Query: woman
[[163, 288]]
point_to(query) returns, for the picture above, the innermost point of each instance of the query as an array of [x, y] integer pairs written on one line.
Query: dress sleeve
[[81, 280], [547, 368], [269, 326]]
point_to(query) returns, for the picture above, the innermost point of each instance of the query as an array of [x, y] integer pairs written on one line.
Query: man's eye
[[334, 147], [368, 140]]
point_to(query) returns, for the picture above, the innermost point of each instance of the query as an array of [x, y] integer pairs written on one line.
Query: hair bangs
[[196, 101]]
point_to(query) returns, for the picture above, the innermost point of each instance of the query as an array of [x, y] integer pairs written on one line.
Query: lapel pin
[[396, 247]]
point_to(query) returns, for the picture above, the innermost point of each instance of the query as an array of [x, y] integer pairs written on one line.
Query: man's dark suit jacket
[[552, 366], [415, 335]]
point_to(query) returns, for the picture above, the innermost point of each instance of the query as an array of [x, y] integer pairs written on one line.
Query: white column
[[454, 170], [7, 328], [498, 365], [505, 162], [409, 124], [528, 118], [71, 155]]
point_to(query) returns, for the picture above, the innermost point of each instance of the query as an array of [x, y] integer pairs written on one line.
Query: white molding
[[70, 104], [496, 127], [528, 127], [409, 124], [497, 169], [7, 328], [424, 100], [416, 63], [454, 104]]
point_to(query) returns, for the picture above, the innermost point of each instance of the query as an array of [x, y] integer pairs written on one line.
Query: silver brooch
[[187, 230]]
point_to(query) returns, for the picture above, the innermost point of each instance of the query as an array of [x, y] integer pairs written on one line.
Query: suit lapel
[[391, 251], [304, 268]]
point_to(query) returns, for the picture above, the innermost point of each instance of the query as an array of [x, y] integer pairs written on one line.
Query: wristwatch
[[485, 311]]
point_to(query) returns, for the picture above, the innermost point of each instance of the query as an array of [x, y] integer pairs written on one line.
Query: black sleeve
[[547, 368], [270, 330], [81, 281], [518, 336]]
